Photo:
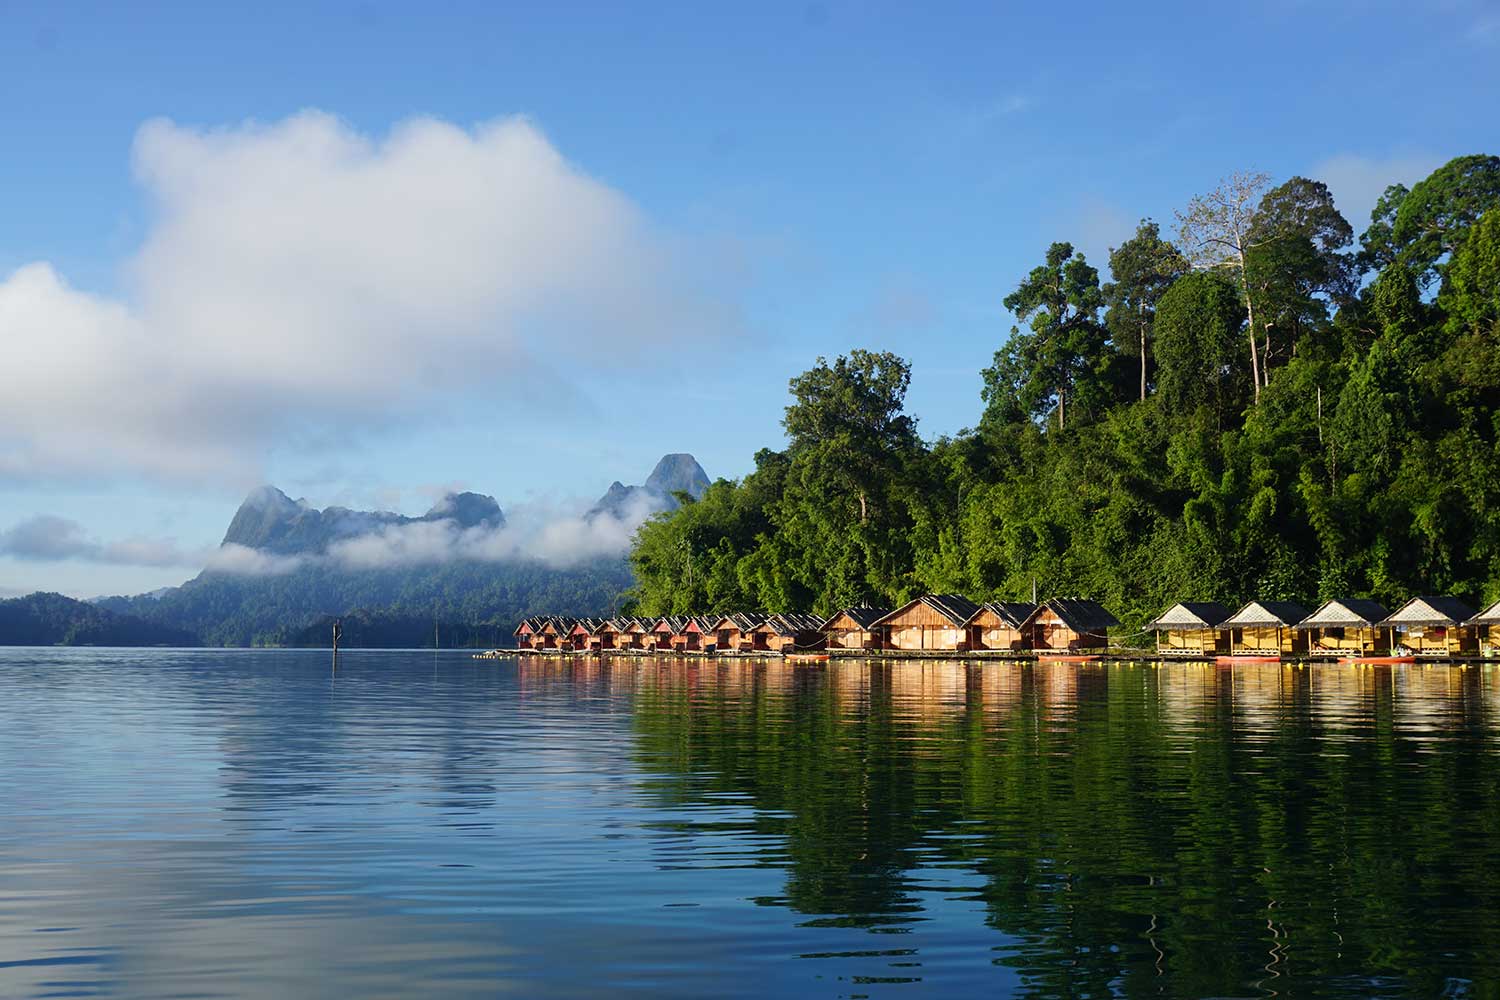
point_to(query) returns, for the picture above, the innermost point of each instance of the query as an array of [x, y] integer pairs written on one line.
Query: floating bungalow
[[1069, 624], [1000, 626], [1265, 628], [528, 633], [633, 634], [933, 622], [580, 638], [1433, 626], [1191, 628], [1347, 627], [854, 628], [606, 635], [731, 631], [788, 633], [1486, 626], [554, 633]]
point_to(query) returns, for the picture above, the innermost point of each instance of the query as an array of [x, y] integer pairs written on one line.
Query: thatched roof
[[1012, 613], [954, 607], [1255, 613], [1431, 611], [1354, 611], [862, 617], [1489, 616], [1190, 614], [1080, 614], [791, 623]]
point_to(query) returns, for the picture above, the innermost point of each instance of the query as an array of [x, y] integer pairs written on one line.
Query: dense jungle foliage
[[1264, 408]]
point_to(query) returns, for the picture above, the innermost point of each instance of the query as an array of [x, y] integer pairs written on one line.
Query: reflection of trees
[[1185, 829]]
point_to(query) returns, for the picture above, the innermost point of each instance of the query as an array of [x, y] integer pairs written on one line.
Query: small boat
[[1068, 658], [807, 657], [1247, 659], [1358, 660]]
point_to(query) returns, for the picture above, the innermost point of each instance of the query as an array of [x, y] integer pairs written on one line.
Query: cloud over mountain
[[301, 278]]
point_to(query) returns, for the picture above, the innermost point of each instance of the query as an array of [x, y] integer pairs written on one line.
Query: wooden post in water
[[338, 633]]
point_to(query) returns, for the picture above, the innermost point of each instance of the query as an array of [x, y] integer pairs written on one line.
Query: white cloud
[[1357, 182], [47, 538], [537, 533], [241, 560], [301, 279]]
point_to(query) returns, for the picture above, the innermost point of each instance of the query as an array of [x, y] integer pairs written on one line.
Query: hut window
[[1336, 632]]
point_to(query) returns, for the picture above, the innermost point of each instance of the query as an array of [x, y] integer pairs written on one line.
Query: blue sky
[[772, 181]]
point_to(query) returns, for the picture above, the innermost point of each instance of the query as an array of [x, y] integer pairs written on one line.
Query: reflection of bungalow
[[1486, 627], [528, 633], [934, 622], [1069, 623], [854, 628], [1433, 626], [731, 631], [1000, 625], [1266, 628], [1191, 628], [1349, 627], [788, 633]]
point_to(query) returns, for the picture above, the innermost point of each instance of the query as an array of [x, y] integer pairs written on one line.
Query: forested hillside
[[1258, 406], [55, 620]]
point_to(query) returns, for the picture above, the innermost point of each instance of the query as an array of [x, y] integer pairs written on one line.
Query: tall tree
[[1143, 267], [1066, 349], [1217, 229], [1434, 218], [1197, 323], [1297, 267]]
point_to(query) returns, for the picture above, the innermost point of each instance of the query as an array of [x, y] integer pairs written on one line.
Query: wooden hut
[[731, 632], [633, 633], [1069, 624], [1000, 625], [606, 635], [853, 628], [663, 630], [554, 633], [1191, 628], [790, 632], [577, 639], [931, 623], [1266, 628], [1347, 627], [1433, 626], [687, 636], [527, 633], [1486, 626], [708, 638]]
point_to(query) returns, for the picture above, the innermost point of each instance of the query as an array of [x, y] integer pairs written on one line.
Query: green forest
[[1256, 403]]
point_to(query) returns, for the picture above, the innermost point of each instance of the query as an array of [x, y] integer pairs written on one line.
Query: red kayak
[[1377, 659], [1247, 659]]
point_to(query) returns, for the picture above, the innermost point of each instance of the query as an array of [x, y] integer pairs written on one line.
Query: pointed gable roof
[[1190, 614], [1431, 611], [954, 607], [1012, 613], [1080, 614], [1255, 613], [863, 617], [1489, 616], [1345, 611], [791, 623]]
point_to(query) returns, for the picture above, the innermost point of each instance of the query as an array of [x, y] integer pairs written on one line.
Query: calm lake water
[[245, 823]]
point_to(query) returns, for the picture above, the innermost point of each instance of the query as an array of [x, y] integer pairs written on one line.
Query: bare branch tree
[[1215, 231]]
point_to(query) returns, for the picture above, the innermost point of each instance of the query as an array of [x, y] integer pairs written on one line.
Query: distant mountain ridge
[[675, 473], [474, 600], [271, 521]]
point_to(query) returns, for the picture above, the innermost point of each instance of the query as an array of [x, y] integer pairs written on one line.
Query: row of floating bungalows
[[1423, 626], [932, 623]]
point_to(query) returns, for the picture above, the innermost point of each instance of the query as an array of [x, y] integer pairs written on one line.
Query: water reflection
[[245, 824]]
